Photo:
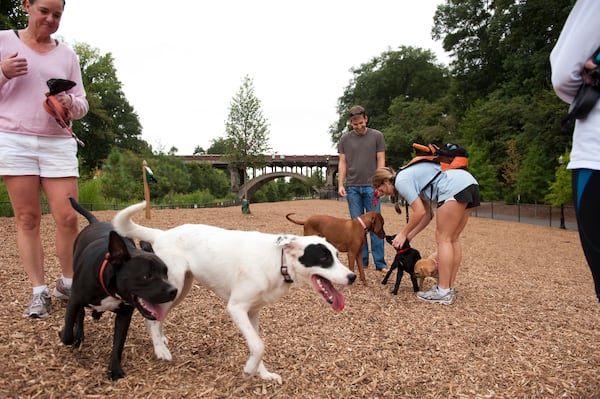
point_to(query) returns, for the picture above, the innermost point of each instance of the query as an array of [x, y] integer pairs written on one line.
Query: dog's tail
[[123, 224], [292, 220], [84, 212]]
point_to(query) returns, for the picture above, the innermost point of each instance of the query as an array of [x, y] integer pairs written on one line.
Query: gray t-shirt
[[361, 155]]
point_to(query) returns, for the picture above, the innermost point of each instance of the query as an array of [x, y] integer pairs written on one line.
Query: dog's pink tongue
[[331, 295], [156, 310], [338, 301]]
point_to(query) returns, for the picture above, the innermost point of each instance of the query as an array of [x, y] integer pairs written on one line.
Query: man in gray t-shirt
[[361, 151]]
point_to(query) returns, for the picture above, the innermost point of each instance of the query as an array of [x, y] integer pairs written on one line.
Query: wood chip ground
[[526, 325]]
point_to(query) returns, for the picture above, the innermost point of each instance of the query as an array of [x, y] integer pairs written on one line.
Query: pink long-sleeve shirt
[[21, 97]]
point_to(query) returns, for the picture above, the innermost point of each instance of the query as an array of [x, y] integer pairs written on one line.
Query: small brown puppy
[[347, 235], [426, 267]]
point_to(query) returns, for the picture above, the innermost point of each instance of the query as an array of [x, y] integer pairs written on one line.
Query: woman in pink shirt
[[35, 151]]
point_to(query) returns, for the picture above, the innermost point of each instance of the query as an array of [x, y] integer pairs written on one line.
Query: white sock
[[68, 282], [39, 289], [443, 291]]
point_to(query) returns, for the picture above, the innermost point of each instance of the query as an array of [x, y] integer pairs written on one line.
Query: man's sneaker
[[40, 306], [434, 296], [60, 291]]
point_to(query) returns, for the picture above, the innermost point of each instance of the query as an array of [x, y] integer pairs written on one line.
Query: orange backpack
[[450, 156]]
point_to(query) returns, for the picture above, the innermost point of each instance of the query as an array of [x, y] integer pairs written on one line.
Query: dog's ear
[[283, 240], [117, 248], [389, 239], [146, 246]]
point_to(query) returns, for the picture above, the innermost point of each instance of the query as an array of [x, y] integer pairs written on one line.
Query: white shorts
[[23, 154]]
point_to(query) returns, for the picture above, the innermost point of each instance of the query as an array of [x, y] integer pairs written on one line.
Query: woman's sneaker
[[40, 306], [434, 296], [60, 291], [453, 292]]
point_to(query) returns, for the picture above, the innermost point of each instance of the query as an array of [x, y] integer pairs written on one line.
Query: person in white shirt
[[574, 61]]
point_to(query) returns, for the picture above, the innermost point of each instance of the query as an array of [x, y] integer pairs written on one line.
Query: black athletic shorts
[[470, 195]]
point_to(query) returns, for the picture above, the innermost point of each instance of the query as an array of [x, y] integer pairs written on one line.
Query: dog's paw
[[271, 377], [115, 374], [162, 352], [264, 374]]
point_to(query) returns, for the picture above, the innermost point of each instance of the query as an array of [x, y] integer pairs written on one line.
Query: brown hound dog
[[347, 235]]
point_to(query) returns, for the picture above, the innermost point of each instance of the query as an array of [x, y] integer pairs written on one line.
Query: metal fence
[[552, 216]]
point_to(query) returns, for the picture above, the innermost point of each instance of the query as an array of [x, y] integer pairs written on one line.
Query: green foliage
[[409, 73], [12, 15], [195, 197], [5, 207], [486, 173], [276, 190], [198, 151], [317, 179], [417, 121], [111, 120], [467, 29], [534, 176], [204, 177], [121, 178], [297, 188], [560, 192], [172, 176], [219, 146], [90, 192]]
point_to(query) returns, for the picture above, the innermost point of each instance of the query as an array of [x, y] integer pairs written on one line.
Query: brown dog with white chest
[[347, 235], [426, 267]]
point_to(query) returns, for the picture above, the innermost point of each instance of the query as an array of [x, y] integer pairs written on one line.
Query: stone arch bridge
[[245, 182]]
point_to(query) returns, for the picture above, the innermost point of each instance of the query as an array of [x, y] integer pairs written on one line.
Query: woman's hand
[[398, 241], [65, 99], [13, 66]]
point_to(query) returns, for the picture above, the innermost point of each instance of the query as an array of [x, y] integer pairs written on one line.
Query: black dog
[[110, 273], [405, 260]]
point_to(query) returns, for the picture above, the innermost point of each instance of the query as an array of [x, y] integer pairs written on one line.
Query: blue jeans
[[360, 200]]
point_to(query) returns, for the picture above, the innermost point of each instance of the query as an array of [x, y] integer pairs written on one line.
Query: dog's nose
[[351, 278], [172, 293]]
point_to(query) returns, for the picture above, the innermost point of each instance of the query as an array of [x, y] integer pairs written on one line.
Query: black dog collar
[[284, 269]]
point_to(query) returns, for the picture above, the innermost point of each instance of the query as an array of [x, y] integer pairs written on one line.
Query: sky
[[182, 65]]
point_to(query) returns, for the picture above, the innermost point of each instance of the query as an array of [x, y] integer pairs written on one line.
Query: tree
[[502, 43], [416, 121], [511, 167], [111, 120], [12, 15], [560, 191], [204, 177], [409, 73], [465, 28], [219, 146], [198, 151], [246, 130], [121, 177], [172, 175]]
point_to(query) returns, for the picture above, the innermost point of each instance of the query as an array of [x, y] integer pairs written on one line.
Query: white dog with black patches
[[248, 269]]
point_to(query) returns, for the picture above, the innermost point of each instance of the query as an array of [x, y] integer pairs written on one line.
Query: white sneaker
[[434, 296], [40, 306]]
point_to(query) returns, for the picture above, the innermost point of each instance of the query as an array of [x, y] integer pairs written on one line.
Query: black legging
[[586, 193]]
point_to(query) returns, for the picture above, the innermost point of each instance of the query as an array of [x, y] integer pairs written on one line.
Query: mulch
[[526, 325]]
